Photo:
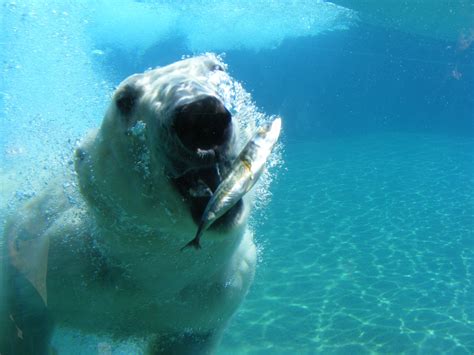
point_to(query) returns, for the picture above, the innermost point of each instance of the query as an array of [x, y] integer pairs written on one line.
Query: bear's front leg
[[25, 323]]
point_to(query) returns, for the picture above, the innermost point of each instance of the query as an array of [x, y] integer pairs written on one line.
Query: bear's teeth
[[206, 153]]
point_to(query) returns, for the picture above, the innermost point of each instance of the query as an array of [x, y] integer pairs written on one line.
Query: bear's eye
[[126, 99]]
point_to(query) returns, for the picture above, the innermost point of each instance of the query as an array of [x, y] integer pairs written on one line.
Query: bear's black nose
[[204, 123]]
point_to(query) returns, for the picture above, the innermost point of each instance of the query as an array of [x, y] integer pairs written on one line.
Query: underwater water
[[367, 242], [371, 244]]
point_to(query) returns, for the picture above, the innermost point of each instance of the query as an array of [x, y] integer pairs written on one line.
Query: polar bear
[[101, 254]]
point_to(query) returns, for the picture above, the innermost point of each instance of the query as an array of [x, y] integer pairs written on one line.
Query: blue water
[[367, 243], [367, 247]]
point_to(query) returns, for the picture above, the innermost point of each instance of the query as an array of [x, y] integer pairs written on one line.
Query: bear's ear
[[126, 99]]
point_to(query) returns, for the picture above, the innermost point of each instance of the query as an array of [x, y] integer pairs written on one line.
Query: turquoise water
[[367, 242], [367, 247]]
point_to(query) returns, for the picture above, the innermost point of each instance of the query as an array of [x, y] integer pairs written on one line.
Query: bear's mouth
[[197, 186], [203, 127]]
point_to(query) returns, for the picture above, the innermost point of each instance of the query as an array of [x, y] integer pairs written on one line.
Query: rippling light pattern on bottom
[[367, 246]]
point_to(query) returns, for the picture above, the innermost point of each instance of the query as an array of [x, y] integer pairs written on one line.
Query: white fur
[[104, 255]]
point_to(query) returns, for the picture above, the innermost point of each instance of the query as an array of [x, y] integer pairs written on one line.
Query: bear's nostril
[[203, 124]]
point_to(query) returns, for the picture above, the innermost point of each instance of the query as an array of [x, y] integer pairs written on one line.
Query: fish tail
[[195, 242]]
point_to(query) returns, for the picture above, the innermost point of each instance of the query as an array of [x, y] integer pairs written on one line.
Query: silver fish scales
[[244, 173]]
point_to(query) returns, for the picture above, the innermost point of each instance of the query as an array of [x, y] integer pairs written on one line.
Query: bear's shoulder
[[55, 216]]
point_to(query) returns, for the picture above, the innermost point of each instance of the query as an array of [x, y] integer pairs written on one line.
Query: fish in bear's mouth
[[204, 128], [197, 187]]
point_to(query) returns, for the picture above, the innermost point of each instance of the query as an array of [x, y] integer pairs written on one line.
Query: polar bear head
[[165, 144]]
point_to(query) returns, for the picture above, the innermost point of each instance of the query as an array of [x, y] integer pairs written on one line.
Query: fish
[[243, 175]]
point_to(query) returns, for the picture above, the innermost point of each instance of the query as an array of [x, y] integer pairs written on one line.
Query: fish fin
[[193, 243]]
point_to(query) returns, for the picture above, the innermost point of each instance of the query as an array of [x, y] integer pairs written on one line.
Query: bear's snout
[[203, 124]]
